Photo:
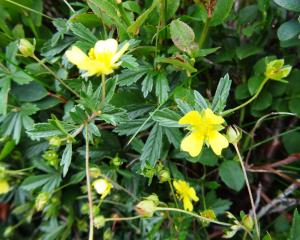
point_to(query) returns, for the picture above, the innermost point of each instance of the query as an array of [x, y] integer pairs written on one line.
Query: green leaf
[[295, 229], [30, 92], [288, 30], [167, 118], [221, 94], [21, 77], [49, 182], [184, 65], [83, 33], [161, 87], [221, 12], [135, 27], [5, 88], [207, 157], [152, 148], [205, 52], [130, 76], [174, 136], [131, 126], [7, 149], [232, 175], [263, 101], [147, 84], [247, 51], [254, 83], [291, 142], [172, 6], [292, 5], [200, 101], [66, 158], [182, 35], [45, 130]]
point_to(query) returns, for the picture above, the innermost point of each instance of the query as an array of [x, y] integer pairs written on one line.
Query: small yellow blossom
[[4, 186], [101, 59], [276, 70], [102, 187], [186, 194], [205, 127]]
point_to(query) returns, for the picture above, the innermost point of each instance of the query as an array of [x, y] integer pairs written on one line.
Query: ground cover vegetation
[[155, 119]]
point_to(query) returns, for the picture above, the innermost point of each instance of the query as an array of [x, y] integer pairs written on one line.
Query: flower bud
[[4, 186], [52, 157], [55, 141], [116, 161], [164, 176], [276, 70], [233, 134], [208, 213], [99, 221], [41, 201], [248, 222], [95, 172], [148, 206], [8, 231], [26, 48], [145, 208]]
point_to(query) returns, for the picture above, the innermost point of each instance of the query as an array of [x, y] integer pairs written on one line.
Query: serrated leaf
[[152, 148], [161, 87], [66, 158], [221, 94], [167, 118], [83, 33], [200, 101]]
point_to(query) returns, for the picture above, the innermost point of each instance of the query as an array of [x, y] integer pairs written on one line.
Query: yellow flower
[[102, 187], [4, 186], [205, 127], [102, 59], [186, 194]]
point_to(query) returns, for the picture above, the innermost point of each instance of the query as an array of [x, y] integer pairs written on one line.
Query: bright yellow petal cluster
[[205, 127], [102, 58], [102, 187], [186, 194], [4, 186]]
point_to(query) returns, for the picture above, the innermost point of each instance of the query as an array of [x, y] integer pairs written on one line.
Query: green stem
[[249, 100], [88, 184], [204, 33], [55, 75], [103, 84], [29, 9], [122, 219], [69, 6], [193, 215], [173, 193], [248, 188]]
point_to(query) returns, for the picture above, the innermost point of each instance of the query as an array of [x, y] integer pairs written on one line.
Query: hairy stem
[[193, 215], [88, 183], [103, 84], [248, 188], [55, 75], [249, 100]]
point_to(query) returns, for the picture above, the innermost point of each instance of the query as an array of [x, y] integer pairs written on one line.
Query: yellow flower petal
[[106, 46], [212, 118], [187, 204], [76, 56], [193, 118], [4, 186], [119, 54], [192, 144], [217, 142], [192, 194]]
